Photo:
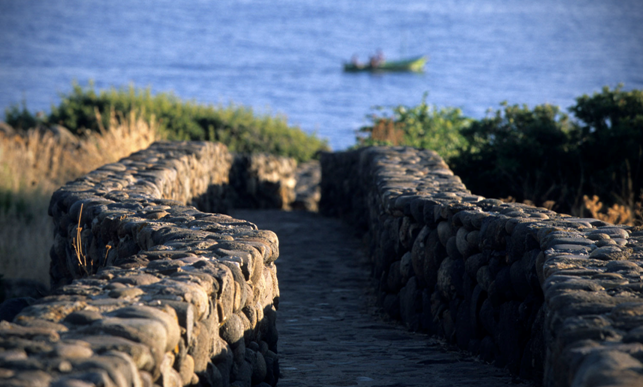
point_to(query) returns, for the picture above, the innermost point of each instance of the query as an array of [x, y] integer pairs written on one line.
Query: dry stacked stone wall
[[260, 180], [548, 296], [148, 289]]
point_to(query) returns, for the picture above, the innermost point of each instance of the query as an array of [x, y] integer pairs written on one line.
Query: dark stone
[[223, 362], [394, 278], [608, 368], [417, 209], [268, 328], [411, 305], [611, 253], [492, 233], [487, 317], [450, 278], [448, 324], [239, 353], [468, 284], [212, 376], [452, 248], [404, 236], [477, 298], [503, 284], [474, 263], [272, 368], [519, 279], [82, 317], [484, 278], [487, 349], [463, 325], [435, 254], [437, 306], [509, 337], [127, 248], [259, 369], [418, 255], [392, 305], [521, 240], [427, 322]]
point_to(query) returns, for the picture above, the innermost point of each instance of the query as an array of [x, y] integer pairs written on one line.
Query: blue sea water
[[285, 56]]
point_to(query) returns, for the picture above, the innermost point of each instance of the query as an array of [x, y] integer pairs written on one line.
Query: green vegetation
[[610, 130], [538, 155], [422, 126], [238, 127], [523, 153]]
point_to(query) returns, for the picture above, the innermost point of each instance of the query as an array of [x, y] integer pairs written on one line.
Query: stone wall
[[260, 180], [548, 296], [149, 290]]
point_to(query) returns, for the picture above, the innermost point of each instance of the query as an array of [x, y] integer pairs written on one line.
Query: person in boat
[[377, 60], [355, 61]]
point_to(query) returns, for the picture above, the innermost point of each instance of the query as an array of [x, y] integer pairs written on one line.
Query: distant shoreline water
[[286, 57]]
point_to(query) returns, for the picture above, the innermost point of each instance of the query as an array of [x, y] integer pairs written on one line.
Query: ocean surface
[[285, 56]]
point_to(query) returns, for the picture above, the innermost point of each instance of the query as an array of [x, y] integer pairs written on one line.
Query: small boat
[[413, 64]]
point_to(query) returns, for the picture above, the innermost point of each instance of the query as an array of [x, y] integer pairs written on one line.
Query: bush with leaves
[[524, 153], [542, 154], [537, 155], [423, 126], [238, 127], [611, 144]]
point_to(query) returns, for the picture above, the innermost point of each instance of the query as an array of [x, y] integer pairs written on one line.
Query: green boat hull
[[414, 64]]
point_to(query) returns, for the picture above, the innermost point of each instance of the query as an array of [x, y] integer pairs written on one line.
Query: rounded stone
[[73, 351], [484, 278], [232, 330], [444, 232], [610, 253], [452, 248], [462, 243], [394, 278], [450, 277], [474, 263], [187, 369], [166, 317], [125, 293], [406, 267]]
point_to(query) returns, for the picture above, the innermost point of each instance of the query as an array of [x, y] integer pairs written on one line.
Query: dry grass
[[594, 208], [617, 214], [35, 164], [387, 131], [548, 204]]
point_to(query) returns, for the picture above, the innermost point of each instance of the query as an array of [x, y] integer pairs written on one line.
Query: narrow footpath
[[330, 330]]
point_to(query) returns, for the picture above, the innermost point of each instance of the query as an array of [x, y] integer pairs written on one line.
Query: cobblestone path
[[330, 331]]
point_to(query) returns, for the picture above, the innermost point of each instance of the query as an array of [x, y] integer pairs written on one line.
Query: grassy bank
[[89, 128], [35, 162], [239, 127]]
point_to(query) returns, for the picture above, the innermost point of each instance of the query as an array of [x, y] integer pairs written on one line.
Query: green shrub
[[422, 126], [238, 127], [611, 144], [519, 152], [19, 117], [542, 154], [538, 155]]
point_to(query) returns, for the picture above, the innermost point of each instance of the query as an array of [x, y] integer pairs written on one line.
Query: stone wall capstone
[[549, 296], [147, 289]]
